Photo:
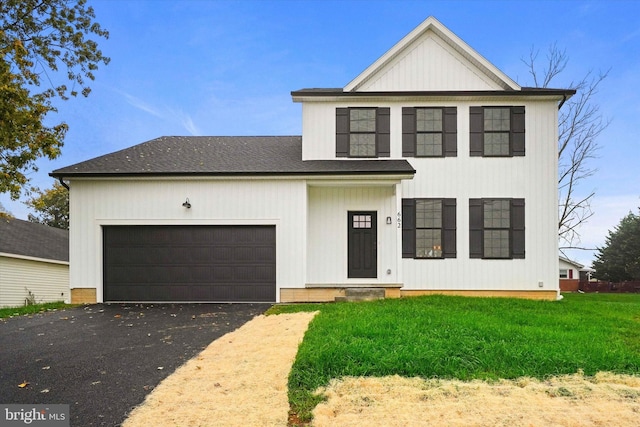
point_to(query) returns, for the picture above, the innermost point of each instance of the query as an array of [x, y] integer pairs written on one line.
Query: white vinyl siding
[[94, 203], [569, 269], [532, 177], [429, 56], [47, 282], [327, 260]]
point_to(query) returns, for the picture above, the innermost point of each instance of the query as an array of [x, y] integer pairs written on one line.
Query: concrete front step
[[362, 294]]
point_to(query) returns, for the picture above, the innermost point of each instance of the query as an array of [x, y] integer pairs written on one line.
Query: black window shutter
[[450, 127], [408, 132], [342, 132], [449, 228], [408, 228], [383, 131], [476, 131], [517, 228], [475, 228], [517, 131]]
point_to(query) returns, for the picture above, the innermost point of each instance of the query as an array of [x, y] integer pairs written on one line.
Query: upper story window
[[428, 228], [496, 228], [429, 131], [497, 131], [362, 132]]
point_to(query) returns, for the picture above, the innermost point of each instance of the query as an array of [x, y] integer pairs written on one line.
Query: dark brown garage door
[[190, 263]]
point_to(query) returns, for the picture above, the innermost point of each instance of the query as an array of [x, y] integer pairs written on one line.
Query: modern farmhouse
[[430, 172]]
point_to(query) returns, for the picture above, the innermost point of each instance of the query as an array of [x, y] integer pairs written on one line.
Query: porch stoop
[[361, 294]]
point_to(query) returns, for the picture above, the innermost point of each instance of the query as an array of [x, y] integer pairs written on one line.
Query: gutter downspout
[[64, 184], [564, 99]]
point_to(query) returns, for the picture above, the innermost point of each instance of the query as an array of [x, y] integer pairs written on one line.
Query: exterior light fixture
[[388, 220], [186, 204]]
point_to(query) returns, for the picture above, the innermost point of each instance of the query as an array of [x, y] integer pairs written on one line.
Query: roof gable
[[430, 58], [568, 262]]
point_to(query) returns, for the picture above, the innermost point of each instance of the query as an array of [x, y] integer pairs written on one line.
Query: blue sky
[[204, 67]]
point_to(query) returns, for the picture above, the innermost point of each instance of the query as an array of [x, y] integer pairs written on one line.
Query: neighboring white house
[[431, 172], [569, 274], [34, 263]]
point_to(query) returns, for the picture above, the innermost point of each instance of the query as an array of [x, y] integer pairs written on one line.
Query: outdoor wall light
[[186, 204], [388, 220]]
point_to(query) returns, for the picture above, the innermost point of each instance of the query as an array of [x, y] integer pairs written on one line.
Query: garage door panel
[[122, 255], [189, 263], [252, 255], [258, 274], [221, 255], [222, 273]]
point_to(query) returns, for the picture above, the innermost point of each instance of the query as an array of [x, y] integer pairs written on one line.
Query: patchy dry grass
[[239, 379], [569, 400]]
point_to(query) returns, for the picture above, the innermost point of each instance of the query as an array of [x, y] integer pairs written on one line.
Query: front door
[[363, 245]]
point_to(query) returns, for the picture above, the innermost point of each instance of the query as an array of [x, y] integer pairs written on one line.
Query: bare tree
[[579, 125]]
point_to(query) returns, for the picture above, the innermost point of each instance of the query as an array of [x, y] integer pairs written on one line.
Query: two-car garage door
[[189, 263]]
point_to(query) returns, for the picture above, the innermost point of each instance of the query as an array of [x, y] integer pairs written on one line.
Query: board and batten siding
[[98, 202], [327, 260], [532, 177], [429, 56], [47, 281]]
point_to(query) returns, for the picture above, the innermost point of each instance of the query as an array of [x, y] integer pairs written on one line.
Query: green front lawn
[[464, 338], [34, 308]]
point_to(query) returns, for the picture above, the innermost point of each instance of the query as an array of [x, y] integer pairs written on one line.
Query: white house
[[569, 274], [431, 172], [34, 263]]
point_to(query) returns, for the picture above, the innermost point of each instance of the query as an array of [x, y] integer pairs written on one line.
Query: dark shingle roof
[[229, 155], [26, 238]]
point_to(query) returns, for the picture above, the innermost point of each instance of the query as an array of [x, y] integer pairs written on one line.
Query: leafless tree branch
[[580, 122]]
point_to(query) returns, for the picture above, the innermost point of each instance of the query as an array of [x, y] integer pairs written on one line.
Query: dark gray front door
[[363, 245], [189, 263]]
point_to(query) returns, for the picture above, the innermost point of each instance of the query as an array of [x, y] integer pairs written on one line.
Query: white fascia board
[[30, 258], [573, 263], [350, 181], [379, 178]]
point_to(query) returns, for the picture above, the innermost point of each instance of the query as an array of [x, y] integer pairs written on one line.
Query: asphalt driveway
[[104, 359]]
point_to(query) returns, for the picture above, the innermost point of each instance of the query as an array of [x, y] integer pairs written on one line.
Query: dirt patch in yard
[[573, 400], [239, 379]]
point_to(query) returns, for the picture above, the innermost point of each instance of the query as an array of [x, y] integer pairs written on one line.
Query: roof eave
[[408, 174], [340, 95]]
